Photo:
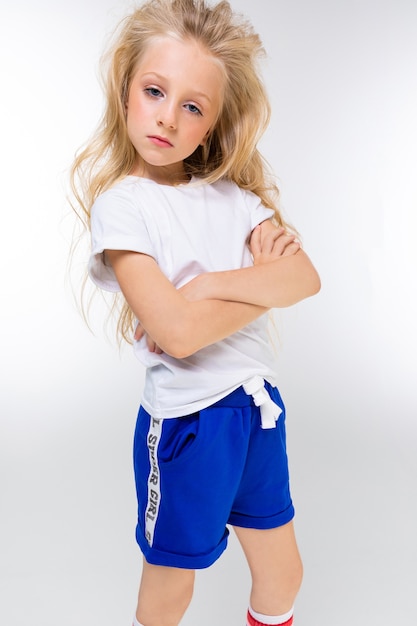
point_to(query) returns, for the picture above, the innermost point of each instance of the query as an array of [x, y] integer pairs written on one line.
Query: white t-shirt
[[188, 229]]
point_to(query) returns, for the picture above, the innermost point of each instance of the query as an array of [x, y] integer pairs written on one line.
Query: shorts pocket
[[180, 438]]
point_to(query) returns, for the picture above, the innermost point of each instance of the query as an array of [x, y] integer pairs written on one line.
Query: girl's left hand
[[151, 345]]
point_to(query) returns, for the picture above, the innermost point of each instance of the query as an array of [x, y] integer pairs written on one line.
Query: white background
[[343, 141]]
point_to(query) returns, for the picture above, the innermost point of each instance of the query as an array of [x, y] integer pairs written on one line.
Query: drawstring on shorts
[[270, 411]]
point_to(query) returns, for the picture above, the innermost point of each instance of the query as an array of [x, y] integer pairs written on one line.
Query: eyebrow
[[197, 94]]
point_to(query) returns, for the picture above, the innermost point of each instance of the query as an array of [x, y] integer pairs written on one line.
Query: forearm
[[196, 325], [279, 283], [178, 324], [206, 322]]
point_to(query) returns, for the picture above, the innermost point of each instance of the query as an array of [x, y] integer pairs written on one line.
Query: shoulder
[[231, 191], [123, 191], [239, 203], [125, 200], [120, 207], [245, 202], [226, 187]]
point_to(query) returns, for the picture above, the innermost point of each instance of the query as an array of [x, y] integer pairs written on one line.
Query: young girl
[[183, 222]]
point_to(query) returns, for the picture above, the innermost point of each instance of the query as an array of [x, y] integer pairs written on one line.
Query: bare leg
[[164, 595], [275, 566]]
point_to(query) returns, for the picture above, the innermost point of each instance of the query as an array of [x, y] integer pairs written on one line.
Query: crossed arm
[[213, 306]]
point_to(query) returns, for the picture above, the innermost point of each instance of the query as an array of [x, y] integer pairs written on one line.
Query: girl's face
[[174, 101]]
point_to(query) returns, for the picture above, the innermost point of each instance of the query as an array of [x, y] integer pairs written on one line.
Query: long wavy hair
[[231, 151]]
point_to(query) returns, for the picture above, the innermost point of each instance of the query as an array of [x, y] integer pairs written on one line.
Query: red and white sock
[[257, 619]]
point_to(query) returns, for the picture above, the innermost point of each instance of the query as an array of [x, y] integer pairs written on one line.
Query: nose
[[166, 117], [163, 121]]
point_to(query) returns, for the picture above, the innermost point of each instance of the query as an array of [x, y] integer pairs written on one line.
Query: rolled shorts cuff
[[266, 523], [170, 559]]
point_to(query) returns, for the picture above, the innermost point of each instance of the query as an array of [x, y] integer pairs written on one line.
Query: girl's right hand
[[269, 242]]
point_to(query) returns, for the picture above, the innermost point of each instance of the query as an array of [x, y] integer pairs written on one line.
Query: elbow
[[176, 334], [178, 350], [310, 282], [315, 284], [182, 353], [307, 287], [312, 285], [309, 276], [304, 281], [178, 344]]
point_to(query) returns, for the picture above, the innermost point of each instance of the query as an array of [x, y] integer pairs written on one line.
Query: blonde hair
[[231, 151]]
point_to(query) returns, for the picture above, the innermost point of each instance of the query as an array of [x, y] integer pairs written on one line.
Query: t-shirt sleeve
[[117, 223], [258, 212]]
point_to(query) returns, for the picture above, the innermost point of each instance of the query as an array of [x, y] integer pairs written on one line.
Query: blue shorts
[[196, 474]]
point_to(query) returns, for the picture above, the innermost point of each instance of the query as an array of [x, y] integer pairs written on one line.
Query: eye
[[153, 92], [193, 109]]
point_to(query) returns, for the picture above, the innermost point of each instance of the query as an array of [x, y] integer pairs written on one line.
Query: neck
[[170, 175]]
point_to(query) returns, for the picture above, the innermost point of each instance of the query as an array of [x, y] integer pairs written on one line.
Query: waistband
[[254, 392]]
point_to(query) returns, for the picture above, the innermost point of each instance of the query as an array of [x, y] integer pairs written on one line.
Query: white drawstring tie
[[270, 411]]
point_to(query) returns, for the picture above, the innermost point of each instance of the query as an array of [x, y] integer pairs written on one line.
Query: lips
[[160, 141]]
